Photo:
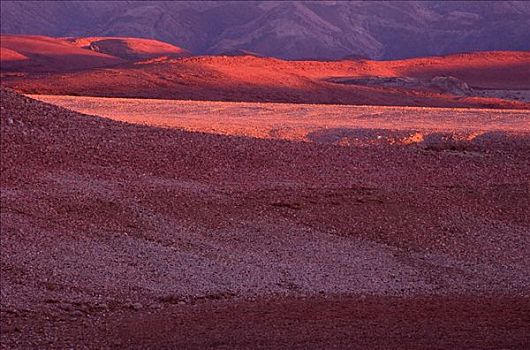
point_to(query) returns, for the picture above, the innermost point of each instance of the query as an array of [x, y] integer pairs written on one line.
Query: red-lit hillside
[[28, 53], [447, 81], [129, 48]]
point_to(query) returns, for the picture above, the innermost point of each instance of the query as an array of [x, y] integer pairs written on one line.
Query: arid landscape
[[159, 196]]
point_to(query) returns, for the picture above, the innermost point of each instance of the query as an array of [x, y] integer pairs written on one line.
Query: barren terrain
[[264, 175], [210, 225]]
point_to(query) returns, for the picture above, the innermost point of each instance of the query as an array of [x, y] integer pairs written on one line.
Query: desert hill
[[29, 53], [444, 81], [131, 49]]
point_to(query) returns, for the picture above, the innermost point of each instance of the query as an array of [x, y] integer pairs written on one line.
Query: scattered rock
[[77, 313], [66, 307], [136, 306]]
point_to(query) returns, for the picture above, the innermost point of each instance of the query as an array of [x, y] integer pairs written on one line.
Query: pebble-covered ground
[[339, 124], [116, 234]]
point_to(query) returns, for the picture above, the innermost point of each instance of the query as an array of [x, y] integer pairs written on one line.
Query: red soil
[[127, 235], [249, 78], [10, 55]]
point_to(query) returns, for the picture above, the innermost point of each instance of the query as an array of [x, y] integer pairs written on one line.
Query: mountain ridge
[[287, 30]]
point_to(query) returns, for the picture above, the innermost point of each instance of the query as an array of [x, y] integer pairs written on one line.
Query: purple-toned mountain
[[291, 30]]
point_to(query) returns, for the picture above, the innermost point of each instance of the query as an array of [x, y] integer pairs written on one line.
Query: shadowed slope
[[488, 70]]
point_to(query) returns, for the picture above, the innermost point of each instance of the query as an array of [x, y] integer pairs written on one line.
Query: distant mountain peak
[[287, 29]]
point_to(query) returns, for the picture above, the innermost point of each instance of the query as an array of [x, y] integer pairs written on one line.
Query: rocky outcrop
[[451, 85]]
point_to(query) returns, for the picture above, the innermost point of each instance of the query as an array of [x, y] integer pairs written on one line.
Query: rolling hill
[[130, 49], [39, 53], [444, 81], [29, 53]]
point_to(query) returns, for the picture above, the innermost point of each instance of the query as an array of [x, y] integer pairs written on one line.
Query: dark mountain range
[[289, 30]]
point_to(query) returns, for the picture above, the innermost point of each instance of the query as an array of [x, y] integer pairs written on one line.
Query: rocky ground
[[115, 234], [337, 124]]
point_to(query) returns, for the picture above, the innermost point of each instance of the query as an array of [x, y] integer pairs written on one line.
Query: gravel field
[[342, 227], [304, 122]]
